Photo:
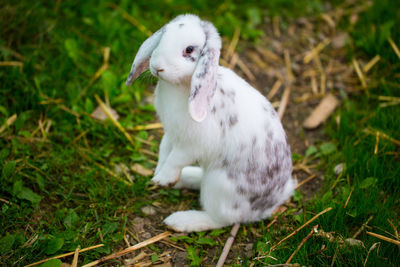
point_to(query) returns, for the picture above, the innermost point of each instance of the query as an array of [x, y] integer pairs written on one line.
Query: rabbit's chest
[[172, 108]]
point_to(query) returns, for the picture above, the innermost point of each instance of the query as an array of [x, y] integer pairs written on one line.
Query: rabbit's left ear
[[204, 79], [142, 58]]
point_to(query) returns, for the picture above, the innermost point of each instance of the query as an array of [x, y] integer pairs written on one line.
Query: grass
[[56, 192]]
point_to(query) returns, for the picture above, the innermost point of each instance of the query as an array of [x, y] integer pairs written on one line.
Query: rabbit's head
[[185, 51]]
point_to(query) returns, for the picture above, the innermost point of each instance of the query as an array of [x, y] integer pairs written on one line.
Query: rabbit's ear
[[142, 58], [204, 79]]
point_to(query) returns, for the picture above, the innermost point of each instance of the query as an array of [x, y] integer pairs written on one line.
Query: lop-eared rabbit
[[214, 119]]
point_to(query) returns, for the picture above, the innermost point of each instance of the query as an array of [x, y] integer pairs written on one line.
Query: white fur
[[236, 136], [191, 178]]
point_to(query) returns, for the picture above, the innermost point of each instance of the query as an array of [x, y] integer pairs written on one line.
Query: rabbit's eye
[[189, 49], [188, 53]]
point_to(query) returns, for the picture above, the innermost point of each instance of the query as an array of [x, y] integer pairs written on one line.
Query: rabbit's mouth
[[171, 76], [155, 73]]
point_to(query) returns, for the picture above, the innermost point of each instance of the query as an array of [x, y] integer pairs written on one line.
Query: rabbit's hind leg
[[221, 203], [222, 197], [191, 221]]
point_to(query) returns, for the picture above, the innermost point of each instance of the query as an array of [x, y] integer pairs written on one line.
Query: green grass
[[54, 195], [372, 179]]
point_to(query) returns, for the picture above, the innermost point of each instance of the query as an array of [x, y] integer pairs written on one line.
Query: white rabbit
[[212, 117]]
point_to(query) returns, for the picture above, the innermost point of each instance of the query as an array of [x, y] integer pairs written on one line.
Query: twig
[[132, 20], [328, 20], [318, 63], [65, 255], [284, 102], [108, 171], [396, 233], [75, 260], [58, 103], [129, 249], [384, 238], [301, 227], [163, 259], [105, 169], [382, 135], [274, 89], [268, 55], [148, 152], [137, 258], [304, 168], [394, 46], [9, 121], [36, 168], [378, 244], [314, 86], [279, 210], [388, 98], [289, 71], [362, 227], [126, 239], [323, 83], [224, 63], [41, 127], [12, 64], [337, 180], [30, 241], [151, 126], [348, 198], [245, 69], [313, 53], [49, 122], [255, 57], [335, 255], [133, 235], [4, 200], [390, 101], [103, 67], [371, 63], [376, 143], [140, 169], [307, 97], [228, 245], [309, 178], [172, 245], [144, 141], [323, 248], [80, 136], [302, 243], [359, 73], [387, 104], [113, 120], [233, 61], [275, 26], [233, 44], [13, 53]]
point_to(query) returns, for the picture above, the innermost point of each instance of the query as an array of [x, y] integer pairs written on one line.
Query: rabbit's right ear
[[142, 58], [204, 79]]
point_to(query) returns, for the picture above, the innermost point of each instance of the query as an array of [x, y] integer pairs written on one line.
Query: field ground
[[70, 177]]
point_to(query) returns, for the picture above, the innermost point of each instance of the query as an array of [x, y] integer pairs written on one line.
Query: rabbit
[[214, 119]]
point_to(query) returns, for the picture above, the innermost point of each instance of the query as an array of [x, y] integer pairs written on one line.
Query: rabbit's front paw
[[165, 180]]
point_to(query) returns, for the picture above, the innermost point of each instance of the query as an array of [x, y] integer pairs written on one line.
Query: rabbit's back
[[253, 147]]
